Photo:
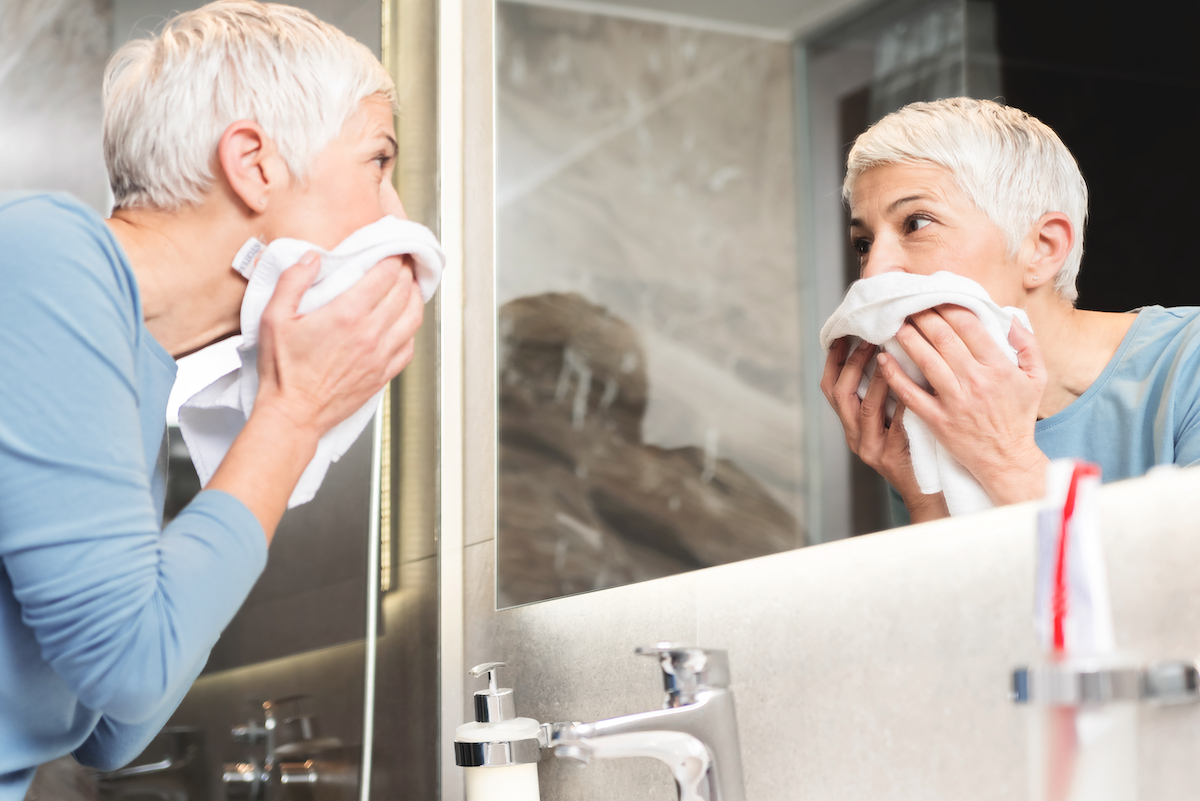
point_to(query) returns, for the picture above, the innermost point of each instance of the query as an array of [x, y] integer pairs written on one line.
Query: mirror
[[337, 643], [670, 238]]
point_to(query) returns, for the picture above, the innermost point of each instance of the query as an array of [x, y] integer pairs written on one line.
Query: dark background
[[1120, 85]]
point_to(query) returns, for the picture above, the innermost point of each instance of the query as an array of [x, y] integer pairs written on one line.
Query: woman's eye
[[917, 223], [861, 246]]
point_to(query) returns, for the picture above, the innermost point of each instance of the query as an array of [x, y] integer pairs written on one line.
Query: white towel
[[874, 310], [212, 418]]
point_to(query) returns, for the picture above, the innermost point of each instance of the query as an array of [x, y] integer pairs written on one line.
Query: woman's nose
[[885, 256], [391, 201]]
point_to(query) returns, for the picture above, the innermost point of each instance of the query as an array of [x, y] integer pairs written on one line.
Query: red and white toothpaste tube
[[1081, 753], [1072, 614]]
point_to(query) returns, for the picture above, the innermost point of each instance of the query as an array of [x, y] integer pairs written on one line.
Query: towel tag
[[244, 261]]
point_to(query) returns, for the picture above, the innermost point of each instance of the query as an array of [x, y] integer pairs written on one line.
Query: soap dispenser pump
[[499, 750]]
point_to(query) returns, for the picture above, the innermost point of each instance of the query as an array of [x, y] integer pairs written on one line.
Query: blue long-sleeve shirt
[[106, 617]]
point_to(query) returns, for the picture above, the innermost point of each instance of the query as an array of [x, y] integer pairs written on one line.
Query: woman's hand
[[983, 408], [314, 370], [882, 445], [318, 368]]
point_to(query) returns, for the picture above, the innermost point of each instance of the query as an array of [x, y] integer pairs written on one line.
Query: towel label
[[246, 256]]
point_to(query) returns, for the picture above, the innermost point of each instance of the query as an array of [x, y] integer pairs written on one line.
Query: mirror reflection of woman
[[988, 192], [238, 120]]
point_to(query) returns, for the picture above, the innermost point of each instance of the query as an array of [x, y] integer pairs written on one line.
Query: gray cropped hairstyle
[[1013, 167], [168, 99]]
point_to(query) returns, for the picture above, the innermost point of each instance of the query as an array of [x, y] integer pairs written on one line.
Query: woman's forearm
[[265, 462]]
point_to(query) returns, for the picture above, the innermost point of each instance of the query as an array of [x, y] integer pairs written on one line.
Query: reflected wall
[[650, 400]]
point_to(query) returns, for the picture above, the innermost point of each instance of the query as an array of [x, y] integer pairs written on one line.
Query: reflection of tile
[[650, 169], [332, 678]]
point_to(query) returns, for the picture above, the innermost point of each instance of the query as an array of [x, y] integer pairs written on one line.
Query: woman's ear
[[250, 163], [1046, 248]]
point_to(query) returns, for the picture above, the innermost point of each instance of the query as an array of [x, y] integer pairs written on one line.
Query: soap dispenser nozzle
[[495, 703]]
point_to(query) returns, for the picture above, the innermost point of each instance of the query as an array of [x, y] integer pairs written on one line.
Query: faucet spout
[[697, 740], [685, 755]]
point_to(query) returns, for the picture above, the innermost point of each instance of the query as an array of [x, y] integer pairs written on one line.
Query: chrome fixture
[[286, 733], [178, 775], [695, 733], [1072, 684]]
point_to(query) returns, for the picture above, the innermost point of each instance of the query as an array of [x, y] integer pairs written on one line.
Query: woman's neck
[[191, 296], [1076, 344]]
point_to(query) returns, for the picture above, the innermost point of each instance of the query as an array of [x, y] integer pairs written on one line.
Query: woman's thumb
[[1029, 355]]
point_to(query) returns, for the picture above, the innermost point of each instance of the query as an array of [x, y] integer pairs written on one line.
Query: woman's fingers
[[293, 283], [370, 291], [928, 355], [971, 332], [403, 326], [1029, 353], [872, 423], [943, 339], [852, 371], [908, 392], [872, 409], [835, 360]]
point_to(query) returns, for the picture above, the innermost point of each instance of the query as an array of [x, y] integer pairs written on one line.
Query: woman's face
[[349, 183], [913, 218]]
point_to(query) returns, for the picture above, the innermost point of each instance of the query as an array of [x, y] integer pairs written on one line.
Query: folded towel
[[874, 310], [212, 418]]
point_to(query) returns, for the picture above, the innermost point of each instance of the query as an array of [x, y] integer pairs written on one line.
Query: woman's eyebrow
[[855, 221], [910, 199]]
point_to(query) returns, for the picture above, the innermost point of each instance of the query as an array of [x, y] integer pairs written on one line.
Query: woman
[[239, 120], [990, 193]]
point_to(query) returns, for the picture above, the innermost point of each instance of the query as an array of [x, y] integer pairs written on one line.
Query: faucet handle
[[688, 670]]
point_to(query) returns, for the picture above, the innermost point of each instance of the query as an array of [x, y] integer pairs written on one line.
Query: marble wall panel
[[52, 56]]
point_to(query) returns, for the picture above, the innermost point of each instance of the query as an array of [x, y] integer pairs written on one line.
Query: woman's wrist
[[923, 508], [291, 421], [265, 462], [1021, 478]]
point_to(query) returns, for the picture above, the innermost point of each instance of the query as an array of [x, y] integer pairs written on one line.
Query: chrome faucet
[[284, 736], [695, 733]]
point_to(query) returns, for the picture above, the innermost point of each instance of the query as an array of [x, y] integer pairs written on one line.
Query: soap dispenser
[[499, 750]]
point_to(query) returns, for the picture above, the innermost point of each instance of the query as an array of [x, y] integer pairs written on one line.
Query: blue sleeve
[[124, 612]]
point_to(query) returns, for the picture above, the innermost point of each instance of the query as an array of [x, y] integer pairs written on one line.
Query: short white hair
[[1013, 167], [168, 99]]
